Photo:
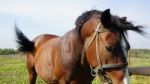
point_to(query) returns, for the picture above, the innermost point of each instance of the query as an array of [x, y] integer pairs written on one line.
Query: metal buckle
[[93, 73]]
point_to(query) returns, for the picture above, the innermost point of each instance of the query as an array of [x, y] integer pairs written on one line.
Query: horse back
[[42, 39]]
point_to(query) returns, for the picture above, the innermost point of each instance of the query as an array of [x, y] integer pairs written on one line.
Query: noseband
[[100, 69]]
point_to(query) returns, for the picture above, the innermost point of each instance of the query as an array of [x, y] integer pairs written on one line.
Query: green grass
[[140, 58], [14, 71]]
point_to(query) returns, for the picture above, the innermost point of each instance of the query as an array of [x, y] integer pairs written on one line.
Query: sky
[[35, 17]]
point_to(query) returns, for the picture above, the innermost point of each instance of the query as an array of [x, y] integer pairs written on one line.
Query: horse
[[97, 46]]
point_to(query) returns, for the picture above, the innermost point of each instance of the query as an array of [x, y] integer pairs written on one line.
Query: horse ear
[[123, 19], [106, 18]]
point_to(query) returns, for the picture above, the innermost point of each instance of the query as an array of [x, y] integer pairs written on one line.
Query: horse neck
[[72, 44]]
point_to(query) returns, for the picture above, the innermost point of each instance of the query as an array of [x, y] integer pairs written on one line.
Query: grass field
[[13, 70]]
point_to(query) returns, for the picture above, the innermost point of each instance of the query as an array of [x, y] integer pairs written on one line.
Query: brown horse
[[96, 46]]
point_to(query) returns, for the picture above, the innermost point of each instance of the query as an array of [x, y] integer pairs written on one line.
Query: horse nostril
[[109, 48]]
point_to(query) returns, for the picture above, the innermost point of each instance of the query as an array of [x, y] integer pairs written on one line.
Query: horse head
[[105, 44]]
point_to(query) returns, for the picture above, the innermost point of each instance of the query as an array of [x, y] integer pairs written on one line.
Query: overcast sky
[[35, 17]]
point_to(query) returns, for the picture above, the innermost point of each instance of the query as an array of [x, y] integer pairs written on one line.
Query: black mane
[[117, 23], [84, 17]]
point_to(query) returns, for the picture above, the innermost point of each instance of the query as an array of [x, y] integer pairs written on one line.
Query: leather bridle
[[100, 69]]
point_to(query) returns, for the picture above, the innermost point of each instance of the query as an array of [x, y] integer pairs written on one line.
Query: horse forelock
[[122, 25]]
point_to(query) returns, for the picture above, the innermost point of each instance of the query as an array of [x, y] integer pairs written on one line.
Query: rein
[[99, 70]]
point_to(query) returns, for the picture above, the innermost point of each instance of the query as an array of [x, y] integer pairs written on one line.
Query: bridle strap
[[97, 47], [108, 66], [92, 39], [98, 30]]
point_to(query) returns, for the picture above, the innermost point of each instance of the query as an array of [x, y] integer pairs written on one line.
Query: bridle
[[100, 69]]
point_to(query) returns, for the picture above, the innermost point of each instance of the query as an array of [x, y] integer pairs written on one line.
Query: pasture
[[13, 68]]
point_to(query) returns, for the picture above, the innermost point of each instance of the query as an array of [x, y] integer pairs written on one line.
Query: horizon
[[57, 17]]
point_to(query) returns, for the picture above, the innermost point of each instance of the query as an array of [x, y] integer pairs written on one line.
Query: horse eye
[[109, 48]]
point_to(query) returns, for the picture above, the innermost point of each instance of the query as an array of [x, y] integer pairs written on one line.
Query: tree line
[[8, 51]]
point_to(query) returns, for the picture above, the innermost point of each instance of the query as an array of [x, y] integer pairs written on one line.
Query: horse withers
[[97, 46]]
